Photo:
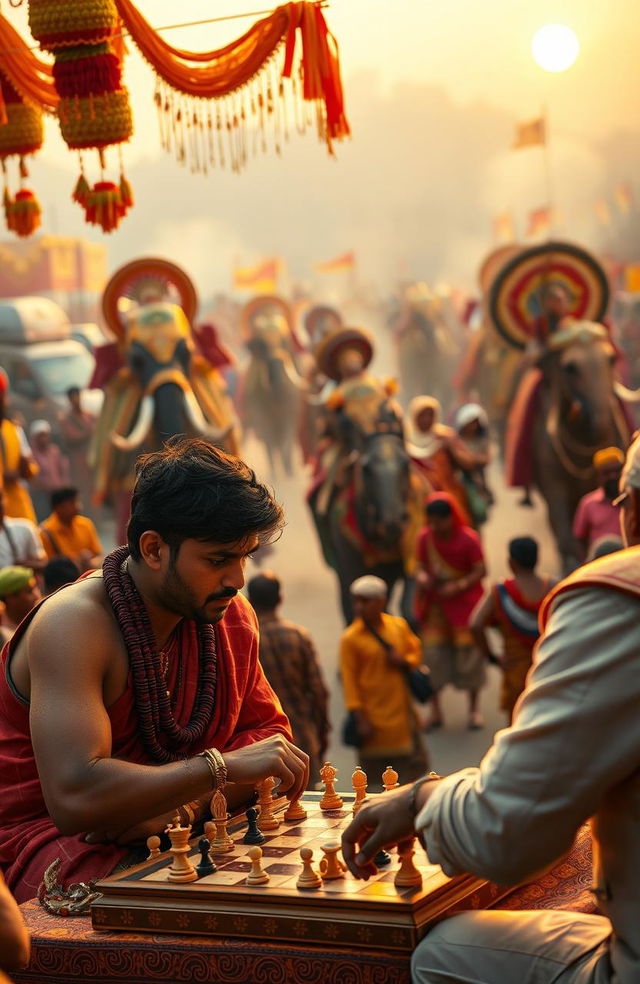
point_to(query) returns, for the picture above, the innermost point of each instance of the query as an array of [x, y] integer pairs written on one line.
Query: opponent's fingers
[[282, 772], [358, 830]]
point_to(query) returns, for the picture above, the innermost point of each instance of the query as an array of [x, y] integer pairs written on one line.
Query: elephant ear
[[119, 411], [108, 361]]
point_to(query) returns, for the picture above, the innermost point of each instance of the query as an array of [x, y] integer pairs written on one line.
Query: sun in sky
[[555, 47]]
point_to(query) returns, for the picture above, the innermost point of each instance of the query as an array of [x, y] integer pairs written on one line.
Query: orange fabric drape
[[219, 72], [29, 76]]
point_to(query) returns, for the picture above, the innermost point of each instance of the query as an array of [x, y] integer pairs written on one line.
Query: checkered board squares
[[348, 912]]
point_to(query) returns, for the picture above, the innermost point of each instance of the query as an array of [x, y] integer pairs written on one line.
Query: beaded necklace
[[163, 739]]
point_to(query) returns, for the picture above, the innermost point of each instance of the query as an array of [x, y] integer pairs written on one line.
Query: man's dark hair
[[439, 508], [63, 495], [193, 490], [58, 572], [73, 390], [264, 591], [523, 551]]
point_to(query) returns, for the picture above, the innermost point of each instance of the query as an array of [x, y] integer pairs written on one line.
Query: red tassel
[[81, 191], [26, 213], [104, 206], [126, 193], [96, 75]]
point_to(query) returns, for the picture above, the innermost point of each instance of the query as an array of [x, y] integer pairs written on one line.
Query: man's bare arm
[[70, 650]]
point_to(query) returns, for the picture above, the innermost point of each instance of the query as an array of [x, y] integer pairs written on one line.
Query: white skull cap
[[631, 471], [369, 586]]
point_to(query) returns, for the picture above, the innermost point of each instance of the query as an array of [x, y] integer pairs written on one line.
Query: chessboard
[[375, 914]]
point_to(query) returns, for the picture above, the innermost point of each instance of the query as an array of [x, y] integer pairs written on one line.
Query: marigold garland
[[20, 134]]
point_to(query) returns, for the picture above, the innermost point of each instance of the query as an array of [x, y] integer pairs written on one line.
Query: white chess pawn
[[407, 874], [331, 866], [359, 783], [153, 843], [309, 878], [257, 875]]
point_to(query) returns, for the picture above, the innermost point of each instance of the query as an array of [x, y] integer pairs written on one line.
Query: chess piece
[[205, 866], [331, 866], [359, 784], [253, 835], [216, 832], [181, 869], [390, 779], [266, 820], [407, 874], [330, 799], [257, 875], [295, 811], [309, 878], [382, 858], [153, 843]]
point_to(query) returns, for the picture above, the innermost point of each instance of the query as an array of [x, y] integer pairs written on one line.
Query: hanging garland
[[243, 80], [20, 135], [93, 108]]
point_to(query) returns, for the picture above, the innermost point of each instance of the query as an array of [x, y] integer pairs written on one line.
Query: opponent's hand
[[449, 589], [383, 822], [274, 756]]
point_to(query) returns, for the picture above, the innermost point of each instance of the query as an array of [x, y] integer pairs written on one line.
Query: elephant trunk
[[625, 394], [199, 423]]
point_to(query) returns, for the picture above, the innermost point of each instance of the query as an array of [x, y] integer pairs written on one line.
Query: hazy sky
[[433, 90]]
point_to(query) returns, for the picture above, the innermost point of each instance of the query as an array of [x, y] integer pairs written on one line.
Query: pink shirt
[[595, 517]]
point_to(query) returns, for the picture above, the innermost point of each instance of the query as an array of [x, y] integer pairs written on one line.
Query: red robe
[[246, 710]]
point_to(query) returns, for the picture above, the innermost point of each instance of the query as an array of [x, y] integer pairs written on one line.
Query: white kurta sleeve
[[575, 735]]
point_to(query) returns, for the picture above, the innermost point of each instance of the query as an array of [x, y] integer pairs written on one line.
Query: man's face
[[21, 602], [368, 609], [556, 303], [42, 440], [201, 580], [425, 420], [350, 363], [68, 510], [609, 479]]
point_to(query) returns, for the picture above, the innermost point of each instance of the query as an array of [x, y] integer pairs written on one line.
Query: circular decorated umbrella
[[516, 295], [493, 263], [144, 279]]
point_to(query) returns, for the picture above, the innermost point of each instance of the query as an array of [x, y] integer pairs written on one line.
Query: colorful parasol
[[515, 297], [134, 282]]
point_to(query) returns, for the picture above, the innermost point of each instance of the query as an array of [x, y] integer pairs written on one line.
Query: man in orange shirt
[[375, 650], [65, 533]]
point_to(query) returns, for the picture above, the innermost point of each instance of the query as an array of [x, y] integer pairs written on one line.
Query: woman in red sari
[[449, 573]]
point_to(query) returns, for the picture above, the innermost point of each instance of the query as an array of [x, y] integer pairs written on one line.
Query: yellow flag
[[530, 134]]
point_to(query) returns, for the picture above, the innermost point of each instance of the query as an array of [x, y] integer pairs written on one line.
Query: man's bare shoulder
[[77, 614]]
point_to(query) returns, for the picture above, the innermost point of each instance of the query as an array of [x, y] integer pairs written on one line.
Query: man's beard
[[176, 596]]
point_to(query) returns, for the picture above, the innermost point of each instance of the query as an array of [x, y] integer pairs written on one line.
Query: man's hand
[[274, 756], [363, 725], [132, 835], [423, 579], [383, 822], [396, 659], [449, 589]]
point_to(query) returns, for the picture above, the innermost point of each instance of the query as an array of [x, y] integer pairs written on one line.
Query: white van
[[42, 360]]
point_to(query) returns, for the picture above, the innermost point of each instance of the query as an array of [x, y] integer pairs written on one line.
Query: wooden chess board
[[347, 912]]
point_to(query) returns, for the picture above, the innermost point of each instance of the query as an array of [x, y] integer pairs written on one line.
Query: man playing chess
[[136, 692], [573, 752]]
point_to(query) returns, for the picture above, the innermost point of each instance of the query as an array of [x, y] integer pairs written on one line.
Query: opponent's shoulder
[[617, 572]]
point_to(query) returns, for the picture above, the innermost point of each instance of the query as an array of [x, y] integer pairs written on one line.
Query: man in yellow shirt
[[16, 461], [375, 651], [65, 533]]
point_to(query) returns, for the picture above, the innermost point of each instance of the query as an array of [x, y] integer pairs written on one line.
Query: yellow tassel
[[126, 192], [81, 191]]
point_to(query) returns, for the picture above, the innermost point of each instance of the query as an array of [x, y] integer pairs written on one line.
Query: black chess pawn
[[206, 865], [253, 834], [381, 859]]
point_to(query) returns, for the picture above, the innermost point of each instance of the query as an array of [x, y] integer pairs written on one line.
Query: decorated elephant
[[157, 382], [272, 386]]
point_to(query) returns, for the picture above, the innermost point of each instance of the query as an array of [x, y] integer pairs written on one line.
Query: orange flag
[[530, 134], [261, 279], [539, 222], [346, 261]]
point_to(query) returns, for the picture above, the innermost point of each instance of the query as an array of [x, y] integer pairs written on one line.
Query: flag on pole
[[603, 212], [261, 279], [632, 278], [530, 134], [539, 222], [346, 261], [503, 228], [624, 198]]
